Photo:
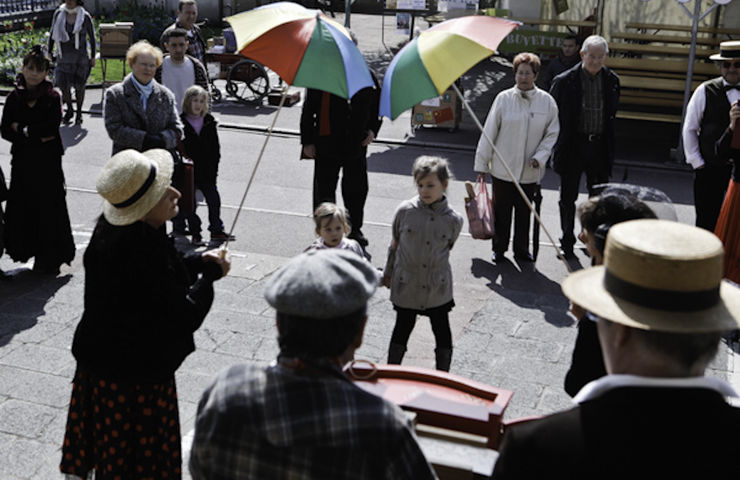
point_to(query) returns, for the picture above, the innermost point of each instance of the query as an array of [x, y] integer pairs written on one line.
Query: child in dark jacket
[[203, 148]]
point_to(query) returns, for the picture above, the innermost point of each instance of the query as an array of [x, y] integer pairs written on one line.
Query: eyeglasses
[[730, 64]]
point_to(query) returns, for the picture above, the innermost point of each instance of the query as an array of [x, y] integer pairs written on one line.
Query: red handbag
[[183, 179], [479, 209]]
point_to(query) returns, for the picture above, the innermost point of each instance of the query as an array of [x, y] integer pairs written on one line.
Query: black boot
[[443, 357], [395, 353]]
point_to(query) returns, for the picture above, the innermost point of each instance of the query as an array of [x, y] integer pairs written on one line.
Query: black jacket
[[567, 92], [203, 149], [142, 303], [628, 432]]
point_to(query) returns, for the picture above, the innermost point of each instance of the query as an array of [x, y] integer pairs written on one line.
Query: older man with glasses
[[707, 119]]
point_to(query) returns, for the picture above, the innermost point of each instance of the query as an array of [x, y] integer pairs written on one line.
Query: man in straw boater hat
[[707, 118], [302, 417], [661, 306]]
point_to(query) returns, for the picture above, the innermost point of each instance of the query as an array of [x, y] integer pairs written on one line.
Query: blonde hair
[[192, 92], [330, 211], [426, 165], [143, 47]]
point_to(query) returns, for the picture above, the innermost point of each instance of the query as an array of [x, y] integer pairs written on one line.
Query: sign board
[[405, 4], [522, 40], [448, 5]]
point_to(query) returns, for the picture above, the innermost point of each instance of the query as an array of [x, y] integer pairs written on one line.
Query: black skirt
[[122, 430]]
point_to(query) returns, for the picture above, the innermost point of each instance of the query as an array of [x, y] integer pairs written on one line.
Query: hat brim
[[128, 215], [718, 57], [586, 289]]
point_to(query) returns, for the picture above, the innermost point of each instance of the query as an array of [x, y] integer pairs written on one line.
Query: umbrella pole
[[256, 165], [511, 176]]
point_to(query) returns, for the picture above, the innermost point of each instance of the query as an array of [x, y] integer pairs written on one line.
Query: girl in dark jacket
[[142, 305], [203, 148], [36, 217]]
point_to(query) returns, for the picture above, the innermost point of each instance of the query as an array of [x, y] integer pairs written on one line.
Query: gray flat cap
[[322, 284]]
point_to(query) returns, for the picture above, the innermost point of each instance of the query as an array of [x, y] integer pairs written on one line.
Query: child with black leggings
[[418, 268]]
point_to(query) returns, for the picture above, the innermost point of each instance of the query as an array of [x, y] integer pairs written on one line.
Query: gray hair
[[595, 41]]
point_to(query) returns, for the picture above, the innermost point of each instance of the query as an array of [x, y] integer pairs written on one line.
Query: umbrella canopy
[[428, 65], [303, 46]]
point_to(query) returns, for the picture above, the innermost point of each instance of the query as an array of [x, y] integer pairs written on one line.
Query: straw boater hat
[[727, 51], [659, 275], [132, 183]]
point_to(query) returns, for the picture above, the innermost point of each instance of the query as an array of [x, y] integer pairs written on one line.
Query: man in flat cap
[[707, 119], [661, 306], [301, 417]]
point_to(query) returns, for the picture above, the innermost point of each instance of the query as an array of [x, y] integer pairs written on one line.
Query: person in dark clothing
[[728, 223], [3, 197], [36, 218], [597, 216], [201, 145], [566, 59], [707, 118], [336, 132], [142, 305], [661, 306], [587, 96]]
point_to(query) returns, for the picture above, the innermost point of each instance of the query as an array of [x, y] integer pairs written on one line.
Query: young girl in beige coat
[[418, 268]]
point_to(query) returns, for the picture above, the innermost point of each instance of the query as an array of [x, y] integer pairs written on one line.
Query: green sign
[[521, 40]]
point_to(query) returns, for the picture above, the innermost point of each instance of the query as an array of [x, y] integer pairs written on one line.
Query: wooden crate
[[115, 38]]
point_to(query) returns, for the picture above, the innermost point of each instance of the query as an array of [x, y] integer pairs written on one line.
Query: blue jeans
[[213, 200]]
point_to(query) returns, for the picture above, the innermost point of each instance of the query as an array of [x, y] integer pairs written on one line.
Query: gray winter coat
[[419, 267], [127, 123]]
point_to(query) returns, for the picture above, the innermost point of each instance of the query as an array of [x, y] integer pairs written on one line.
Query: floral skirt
[[728, 230], [122, 430]]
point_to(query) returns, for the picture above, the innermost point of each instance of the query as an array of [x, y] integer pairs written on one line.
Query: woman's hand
[[92, 62], [734, 115], [220, 257], [481, 176]]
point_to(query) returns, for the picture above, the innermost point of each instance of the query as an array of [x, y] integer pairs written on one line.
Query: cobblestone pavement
[[509, 325]]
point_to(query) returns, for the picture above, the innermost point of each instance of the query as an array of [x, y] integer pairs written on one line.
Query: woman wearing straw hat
[[142, 305], [728, 223], [660, 307], [36, 218]]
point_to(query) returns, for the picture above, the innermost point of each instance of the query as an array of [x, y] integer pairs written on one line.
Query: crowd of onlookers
[[651, 310]]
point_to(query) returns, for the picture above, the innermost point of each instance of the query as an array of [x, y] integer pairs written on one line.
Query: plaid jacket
[[276, 423]]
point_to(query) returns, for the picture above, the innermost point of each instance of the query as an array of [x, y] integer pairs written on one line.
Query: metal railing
[[10, 7]]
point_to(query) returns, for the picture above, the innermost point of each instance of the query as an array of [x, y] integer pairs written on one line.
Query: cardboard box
[[443, 111], [115, 38]]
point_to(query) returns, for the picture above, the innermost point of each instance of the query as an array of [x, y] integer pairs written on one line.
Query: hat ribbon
[[658, 299], [141, 191]]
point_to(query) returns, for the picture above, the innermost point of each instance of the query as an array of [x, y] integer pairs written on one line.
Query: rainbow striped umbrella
[[428, 65], [303, 46]]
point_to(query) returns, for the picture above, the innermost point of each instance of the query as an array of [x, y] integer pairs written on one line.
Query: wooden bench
[[647, 49], [731, 32], [670, 66], [670, 39]]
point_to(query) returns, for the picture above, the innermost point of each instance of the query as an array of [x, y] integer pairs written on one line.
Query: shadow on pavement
[[525, 286], [72, 134], [23, 300]]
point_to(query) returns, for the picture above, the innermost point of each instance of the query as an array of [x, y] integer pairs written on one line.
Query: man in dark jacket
[[566, 59], [336, 132], [187, 14], [587, 96], [659, 324], [707, 118]]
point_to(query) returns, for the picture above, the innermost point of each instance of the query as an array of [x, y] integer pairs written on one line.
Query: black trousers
[[591, 160], [354, 181], [710, 185], [505, 199], [406, 320]]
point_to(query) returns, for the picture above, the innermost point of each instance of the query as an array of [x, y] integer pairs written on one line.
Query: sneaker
[[222, 237], [197, 240]]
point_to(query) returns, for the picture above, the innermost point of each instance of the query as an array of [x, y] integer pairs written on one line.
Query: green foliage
[[14, 46]]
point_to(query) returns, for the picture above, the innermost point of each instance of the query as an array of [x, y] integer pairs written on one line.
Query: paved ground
[[509, 325]]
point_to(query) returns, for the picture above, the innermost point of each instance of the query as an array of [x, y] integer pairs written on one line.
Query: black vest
[[714, 122]]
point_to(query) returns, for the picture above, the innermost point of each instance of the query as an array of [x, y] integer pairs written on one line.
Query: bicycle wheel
[[248, 81]]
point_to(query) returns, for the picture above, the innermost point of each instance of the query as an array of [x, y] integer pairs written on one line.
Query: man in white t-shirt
[[179, 71]]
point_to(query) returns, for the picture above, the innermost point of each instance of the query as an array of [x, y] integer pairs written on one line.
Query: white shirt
[[523, 126], [692, 123], [178, 78], [598, 387]]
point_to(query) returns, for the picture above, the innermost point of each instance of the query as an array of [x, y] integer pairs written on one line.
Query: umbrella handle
[[511, 176], [256, 165]]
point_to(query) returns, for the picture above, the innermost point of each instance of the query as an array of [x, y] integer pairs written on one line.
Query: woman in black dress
[[36, 218], [142, 304]]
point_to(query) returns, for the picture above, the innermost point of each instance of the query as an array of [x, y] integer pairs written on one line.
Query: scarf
[[144, 90], [43, 88], [59, 29]]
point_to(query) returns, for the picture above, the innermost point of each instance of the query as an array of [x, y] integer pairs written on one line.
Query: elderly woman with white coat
[[523, 125]]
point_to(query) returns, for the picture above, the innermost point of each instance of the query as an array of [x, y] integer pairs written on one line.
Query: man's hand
[[309, 151], [369, 139], [534, 163], [734, 115]]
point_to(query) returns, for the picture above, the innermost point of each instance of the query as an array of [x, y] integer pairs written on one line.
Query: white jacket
[[522, 128]]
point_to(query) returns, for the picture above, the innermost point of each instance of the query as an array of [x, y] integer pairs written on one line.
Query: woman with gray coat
[[139, 113]]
